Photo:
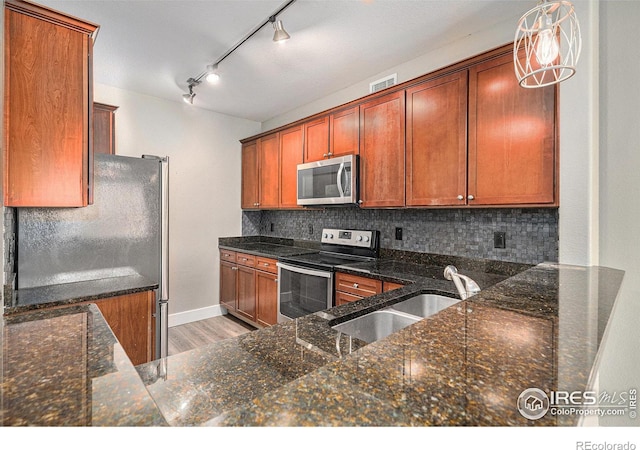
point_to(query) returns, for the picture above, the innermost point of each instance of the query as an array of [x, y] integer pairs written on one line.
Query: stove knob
[[330, 236], [366, 238], [325, 235], [359, 238]]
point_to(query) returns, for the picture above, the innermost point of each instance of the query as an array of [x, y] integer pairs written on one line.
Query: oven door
[[303, 291]]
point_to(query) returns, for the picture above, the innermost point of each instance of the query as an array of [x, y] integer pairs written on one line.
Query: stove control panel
[[353, 238]]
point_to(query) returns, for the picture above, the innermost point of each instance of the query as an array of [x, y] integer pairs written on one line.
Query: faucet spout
[[465, 285]]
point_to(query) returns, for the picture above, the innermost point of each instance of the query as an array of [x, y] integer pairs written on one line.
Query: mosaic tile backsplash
[[531, 234]]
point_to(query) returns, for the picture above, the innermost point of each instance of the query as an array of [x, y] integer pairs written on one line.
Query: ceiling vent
[[383, 83]]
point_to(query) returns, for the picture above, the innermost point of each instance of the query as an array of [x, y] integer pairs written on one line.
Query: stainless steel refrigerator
[[124, 233]]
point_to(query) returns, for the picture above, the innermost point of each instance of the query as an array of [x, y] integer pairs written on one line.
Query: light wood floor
[[196, 334]]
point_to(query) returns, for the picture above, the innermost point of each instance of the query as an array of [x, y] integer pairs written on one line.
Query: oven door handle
[[303, 270]]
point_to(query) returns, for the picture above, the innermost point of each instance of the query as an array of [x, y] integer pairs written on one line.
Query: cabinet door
[[104, 128], [316, 139], [228, 285], [344, 129], [131, 320], [342, 298], [250, 181], [269, 151], [382, 124], [290, 157], [47, 161], [246, 299], [511, 138], [266, 298], [437, 142]]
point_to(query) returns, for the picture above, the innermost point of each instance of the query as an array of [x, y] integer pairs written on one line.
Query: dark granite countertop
[[64, 367], [269, 248], [465, 365], [21, 300]]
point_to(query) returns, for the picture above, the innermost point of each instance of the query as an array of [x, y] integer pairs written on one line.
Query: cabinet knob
[[360, 202], [266, 264], [324, 155], [275, 279], [460, 197], [355, 285], [244, 259], [330, 154], [470, 197], [234, 268]]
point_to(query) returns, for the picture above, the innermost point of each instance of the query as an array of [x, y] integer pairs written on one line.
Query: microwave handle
[[340, 188]]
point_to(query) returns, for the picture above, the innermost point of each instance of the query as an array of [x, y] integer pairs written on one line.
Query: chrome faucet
[[465, 285]]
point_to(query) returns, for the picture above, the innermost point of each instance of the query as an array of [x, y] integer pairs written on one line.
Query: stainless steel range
[[306, 281]]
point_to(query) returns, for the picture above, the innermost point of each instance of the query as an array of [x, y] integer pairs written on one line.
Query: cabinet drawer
[[226, 255], [356, 285], [266, 264], [343, 298], [390, 286], [246, 260]]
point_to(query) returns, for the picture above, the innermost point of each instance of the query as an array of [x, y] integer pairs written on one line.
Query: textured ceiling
[[153, 47]]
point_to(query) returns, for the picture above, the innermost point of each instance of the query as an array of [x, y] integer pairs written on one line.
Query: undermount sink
[[424, 305], [379, 324], [376, 325]]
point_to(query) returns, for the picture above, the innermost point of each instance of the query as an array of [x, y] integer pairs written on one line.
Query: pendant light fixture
[[547, 44], [211, 72]]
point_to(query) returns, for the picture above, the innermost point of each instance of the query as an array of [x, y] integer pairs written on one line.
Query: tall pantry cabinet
[[47, 107]]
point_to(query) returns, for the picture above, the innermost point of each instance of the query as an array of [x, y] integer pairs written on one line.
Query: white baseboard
[[195, 314]]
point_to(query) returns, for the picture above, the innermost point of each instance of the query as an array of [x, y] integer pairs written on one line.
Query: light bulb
[[547, 48], [212, 77]]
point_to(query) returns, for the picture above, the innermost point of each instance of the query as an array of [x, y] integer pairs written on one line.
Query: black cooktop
[[323, 260]]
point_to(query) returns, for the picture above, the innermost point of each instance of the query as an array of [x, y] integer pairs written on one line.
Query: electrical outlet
[[398, 234], [271, 226], [499, 239], [310, 229]]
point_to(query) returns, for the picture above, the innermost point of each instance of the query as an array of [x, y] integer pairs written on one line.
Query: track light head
[[280, 35], [212, 73], [188, 98]]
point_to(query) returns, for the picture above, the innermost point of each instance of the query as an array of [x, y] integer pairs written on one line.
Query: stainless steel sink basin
[[375, 325], [424, 305]]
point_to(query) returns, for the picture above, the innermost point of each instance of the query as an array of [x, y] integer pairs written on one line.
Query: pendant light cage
[[547, 44]]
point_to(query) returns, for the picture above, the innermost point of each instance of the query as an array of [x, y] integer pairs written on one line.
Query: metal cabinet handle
[[265, 264], [355, 285], [330, 154], [460, 197], [361, 201], [275, 279], [470, 197], [324, 155], [234, 268]]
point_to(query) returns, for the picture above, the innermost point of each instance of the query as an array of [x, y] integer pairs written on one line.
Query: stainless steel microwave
[[330, 182]]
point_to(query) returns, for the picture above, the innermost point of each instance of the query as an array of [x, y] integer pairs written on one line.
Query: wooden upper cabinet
[[290, 157], [47, 107], [269, 169], [104, 128], [382, 130], [512, 158], [250, 178], [344, 137], [437, 142], [336, 134], [316, 139]]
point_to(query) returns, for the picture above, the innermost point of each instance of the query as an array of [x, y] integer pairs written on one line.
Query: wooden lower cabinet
[[246, 300], [350, 288], [391, 286], [249, 287], [266, 298], [228, 285], [131, 318]]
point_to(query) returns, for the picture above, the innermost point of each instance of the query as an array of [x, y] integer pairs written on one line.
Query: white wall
[[204, 189], [619, 190]]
